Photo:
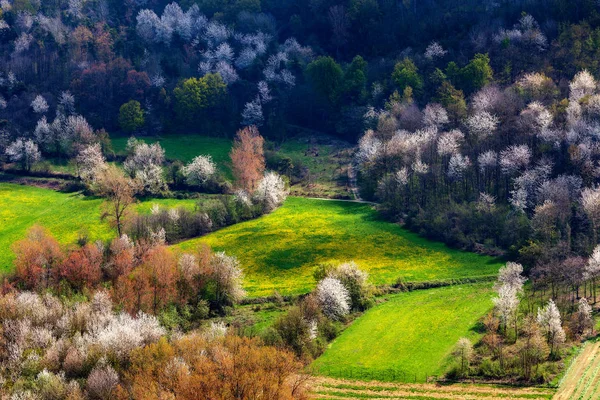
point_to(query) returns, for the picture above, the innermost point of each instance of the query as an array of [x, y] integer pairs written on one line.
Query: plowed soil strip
[[583, 377], [329, 388]]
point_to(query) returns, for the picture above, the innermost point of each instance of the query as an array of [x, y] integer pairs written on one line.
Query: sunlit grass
[[65, 215], [410, 336], [280, 251]]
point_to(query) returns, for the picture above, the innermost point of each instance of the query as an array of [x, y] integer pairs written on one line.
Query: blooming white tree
[[199, 170], [449, 142], [271, 191], [369, 148], [458, 165], [583, 84], [333, 298], [145, 164], [549, 320], [102, 382], [487, 160], [482, 124], [463, 351], [90, 163], [227, 275], [512, 275], [506, 305], [487, 99], [584, 320], [592, 268], [435, 115], [253, 113], [514, 158], [434, 50], [39, 105], [537, 117], [24, 152]]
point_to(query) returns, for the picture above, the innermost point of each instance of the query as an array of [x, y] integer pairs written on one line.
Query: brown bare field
[[339, 389], [582, 380]]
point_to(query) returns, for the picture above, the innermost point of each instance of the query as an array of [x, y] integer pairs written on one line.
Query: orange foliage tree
[[82, 267], [227, 368], [38, 257], [152, 285], [247, 158]]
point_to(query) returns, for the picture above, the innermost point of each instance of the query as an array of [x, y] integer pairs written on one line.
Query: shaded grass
[[280, 251], [409, 337], [185, 147]]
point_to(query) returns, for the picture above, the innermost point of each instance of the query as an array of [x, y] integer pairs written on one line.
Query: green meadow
[[409, 336], [280, 251], [65, 215], [185, 147]]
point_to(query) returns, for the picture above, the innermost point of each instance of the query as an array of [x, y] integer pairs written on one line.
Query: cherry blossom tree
[[199, 170], [333, 298], [25, 152], [549, 320], [39, 105], [271, 191]]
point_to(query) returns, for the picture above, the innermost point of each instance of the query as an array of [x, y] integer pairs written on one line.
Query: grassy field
[[280, 251], [327, 161], [65, 215], [409, 337], [186, 147]]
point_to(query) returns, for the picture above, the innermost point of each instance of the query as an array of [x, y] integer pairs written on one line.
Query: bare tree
[[119, 192]]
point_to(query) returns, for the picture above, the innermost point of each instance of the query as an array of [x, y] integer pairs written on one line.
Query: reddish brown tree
[[160, 266], [38, 257], [83, 267], [247, 158]]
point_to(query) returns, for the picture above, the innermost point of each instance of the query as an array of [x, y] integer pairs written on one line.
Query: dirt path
[[582, 380], [353, 183], [339, 389]]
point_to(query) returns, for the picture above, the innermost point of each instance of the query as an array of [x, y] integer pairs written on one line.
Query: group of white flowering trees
[[517, 171], [521, 337], [220, 49]]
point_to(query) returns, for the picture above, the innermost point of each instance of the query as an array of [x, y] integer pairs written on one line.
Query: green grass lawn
[[413, 333], [185, 147], [280, 251], [65, 215]]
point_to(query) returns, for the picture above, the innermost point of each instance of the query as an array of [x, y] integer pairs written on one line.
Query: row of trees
[[142, 276], [522, 341]]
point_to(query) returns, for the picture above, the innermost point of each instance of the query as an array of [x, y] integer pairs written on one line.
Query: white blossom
[[253, 113], [583, 84], [25, 152], [435, 115], [549, 320], [90, 162], [271, 191], [199, 170], [434, 50], [514, 158], [333, 298], [449, 142], [457, 166], [482, 124], [39, 105]]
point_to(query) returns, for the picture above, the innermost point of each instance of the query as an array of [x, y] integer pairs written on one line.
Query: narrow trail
[[353, 183]]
